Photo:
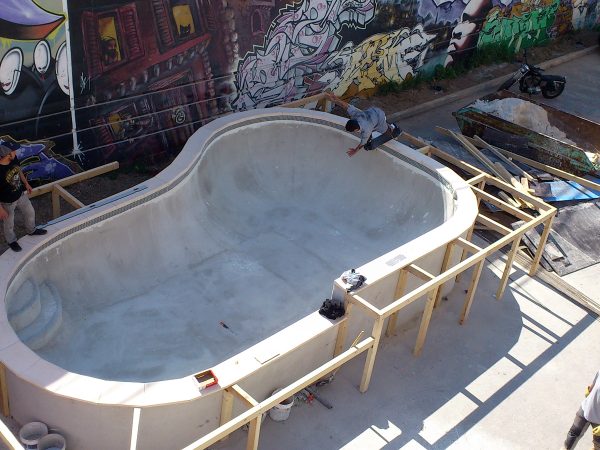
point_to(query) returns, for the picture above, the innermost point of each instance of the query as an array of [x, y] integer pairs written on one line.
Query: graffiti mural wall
[[131, 80]]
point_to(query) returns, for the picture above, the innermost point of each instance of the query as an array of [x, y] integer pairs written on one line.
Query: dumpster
[[538, 131]]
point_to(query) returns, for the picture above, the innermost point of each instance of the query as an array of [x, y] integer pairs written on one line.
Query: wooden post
[[226, 408], [55, 202], [543, 238], [429, 304], [4, 391], [342, 331], [464, 250], [254, 433], [471, 291], [400, 287], [509, 262], [445, 263], [371, 353]]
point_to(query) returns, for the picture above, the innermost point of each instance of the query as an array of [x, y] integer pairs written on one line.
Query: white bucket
[[31, 433], [52, 441], [281, 412]]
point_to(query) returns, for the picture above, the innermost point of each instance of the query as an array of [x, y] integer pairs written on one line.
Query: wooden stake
[[4, 391], [342, 331], [543, 238], [471, 292], [371, 353], [425, 319], [445, 263], [254, 433], [509, 262], [226, 408], [400, 287]]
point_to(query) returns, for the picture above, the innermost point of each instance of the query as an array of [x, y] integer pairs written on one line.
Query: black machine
[[532, 81]]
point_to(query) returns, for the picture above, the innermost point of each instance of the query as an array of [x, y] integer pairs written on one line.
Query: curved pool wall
[[247, 227]]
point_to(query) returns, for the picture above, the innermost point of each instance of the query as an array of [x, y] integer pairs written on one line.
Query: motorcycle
[[532, 81]]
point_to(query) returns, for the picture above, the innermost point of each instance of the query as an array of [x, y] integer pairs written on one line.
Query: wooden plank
[[543, 238], [418, 272], [8, 438], [135, 428], [55, 204], [524, 262], [4, 391], [305, 101], [471, 292], [69, 198], [242, 395], [496, 151], [44, 189], [407, 299], [216, 435], [400, 287], [509, 200], [476, 153], [371, 354], [508, 267], [340, 340], [492, 224], [425, 319], [364, 304], [254, 434], [552, 170], [412, 140], [502, 205], [467, 245], [226, 408], [445, 265]]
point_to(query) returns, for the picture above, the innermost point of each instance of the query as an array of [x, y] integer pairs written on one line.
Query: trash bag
[[332, 309], [354, 279]]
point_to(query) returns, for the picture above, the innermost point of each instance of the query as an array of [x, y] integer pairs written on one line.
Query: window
[[111, 38], [176, 21]]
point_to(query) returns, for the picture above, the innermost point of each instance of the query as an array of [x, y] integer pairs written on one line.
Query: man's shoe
[[38, 232], [15, 246]]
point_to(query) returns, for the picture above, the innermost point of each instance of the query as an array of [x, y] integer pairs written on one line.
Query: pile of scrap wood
[[523, 177]]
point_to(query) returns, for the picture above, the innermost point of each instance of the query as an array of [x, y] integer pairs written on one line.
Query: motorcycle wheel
[[507, 84], [552, 90]]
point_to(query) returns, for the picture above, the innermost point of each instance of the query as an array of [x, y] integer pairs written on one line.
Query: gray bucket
[[52, 441], [31, 433]]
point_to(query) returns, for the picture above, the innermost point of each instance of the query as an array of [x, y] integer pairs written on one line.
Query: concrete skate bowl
[[221, 262]]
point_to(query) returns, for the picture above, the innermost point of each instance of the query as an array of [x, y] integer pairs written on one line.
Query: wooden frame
[[431, 287]]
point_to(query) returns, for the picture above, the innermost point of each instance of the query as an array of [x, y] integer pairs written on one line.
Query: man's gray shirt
[[369, 120]]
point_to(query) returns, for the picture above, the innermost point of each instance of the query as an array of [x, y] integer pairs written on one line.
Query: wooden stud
[[55, 203], [242, 395], [8, 438], [4, 391], [305, 101], [509, 262], [496, 151], [502, 205], [71, 199], [371, 353], [445, 264], [425, 319], [45, 188], [400, 287], [543, 238], [226, 408], [342, 331], [493, 225], [254, 433], [463, 254], [471, 291]]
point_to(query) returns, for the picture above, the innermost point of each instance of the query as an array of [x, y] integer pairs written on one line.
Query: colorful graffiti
[[34, 102], [135, 78], [299, 44]]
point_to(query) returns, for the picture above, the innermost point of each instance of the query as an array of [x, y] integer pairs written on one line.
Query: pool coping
[[28, 366]]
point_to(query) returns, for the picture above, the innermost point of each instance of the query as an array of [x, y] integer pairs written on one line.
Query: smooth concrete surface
[[235, 233], [274, 212], [511, 378]]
